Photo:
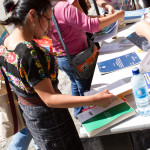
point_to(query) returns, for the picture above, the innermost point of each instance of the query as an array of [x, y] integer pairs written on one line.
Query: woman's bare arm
[[109, 19], [46, 92]]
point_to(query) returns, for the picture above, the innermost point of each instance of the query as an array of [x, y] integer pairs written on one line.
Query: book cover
[[120, 88], [147, 78], [97, 119], [136, 39], [108, 32], [134, 15], [118, 63]]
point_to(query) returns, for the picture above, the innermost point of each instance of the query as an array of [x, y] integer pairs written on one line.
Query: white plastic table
[[133, 123]]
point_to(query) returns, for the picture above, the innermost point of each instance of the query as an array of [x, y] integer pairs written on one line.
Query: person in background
[[32, 73], [141, 138], [142, 28], [21, 141], [86, 5], [73, 23], [122, 4]]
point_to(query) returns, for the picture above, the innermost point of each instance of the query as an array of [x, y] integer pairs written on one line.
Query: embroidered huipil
[[27, 65]]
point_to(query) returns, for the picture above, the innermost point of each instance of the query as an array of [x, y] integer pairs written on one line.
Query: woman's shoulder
[[25, 48]]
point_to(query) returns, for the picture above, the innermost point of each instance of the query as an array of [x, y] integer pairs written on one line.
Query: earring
[[33, 25]]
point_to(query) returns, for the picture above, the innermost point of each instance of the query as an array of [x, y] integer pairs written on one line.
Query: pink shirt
[[72, 24]]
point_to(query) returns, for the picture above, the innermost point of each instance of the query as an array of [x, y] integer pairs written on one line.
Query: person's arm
[[83, 22], [35, 69], [106, 6], [142, 28], [46, 92], [109, 19]]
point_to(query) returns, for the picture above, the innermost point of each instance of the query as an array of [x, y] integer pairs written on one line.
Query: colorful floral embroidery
[[23, 73], [55, 53], [22, 79], [2, 50], [11, 57], [28, 44], [17, 82], [37, 63]]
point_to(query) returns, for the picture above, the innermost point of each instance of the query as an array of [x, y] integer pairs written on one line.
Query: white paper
[[110, 47], [108, 34], [97, 110], [116, 88]]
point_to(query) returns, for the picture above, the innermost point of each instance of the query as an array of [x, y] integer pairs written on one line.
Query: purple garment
[[72, 24]]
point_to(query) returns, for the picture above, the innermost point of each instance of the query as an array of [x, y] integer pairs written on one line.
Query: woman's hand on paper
[[105, 98]]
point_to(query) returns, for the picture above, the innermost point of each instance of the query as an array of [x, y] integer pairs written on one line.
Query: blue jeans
[[21, 140], [78, 86]]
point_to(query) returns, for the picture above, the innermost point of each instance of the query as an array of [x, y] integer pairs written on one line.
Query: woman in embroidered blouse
[[32, 74]]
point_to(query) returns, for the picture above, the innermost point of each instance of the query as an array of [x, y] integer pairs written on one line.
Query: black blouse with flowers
[[27, 65]]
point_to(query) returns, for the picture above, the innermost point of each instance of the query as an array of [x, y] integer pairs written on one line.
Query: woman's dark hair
[[84, 6], [20, 10]]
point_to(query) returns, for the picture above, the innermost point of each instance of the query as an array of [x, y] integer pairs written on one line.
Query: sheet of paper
[[110, 47], [110, 87], [97, 110], [108, 32]]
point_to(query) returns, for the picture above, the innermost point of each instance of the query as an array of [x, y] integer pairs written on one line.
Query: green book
[[97, 119]]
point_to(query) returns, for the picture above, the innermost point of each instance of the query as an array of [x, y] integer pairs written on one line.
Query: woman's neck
[[17, 36]]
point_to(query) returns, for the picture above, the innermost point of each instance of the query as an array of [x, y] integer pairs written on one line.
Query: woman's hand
[[104, 98], [110, 9], [142, 28], [121, 13]]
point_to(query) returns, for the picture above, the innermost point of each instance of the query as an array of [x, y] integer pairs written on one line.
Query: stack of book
[[97, 119], [134, 15]]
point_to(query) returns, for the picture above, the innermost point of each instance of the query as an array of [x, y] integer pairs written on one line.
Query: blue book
[[134, 15], [147, 78], [136, 39], [118, 63]]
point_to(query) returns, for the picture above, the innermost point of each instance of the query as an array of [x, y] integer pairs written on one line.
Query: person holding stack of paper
[[73, 24]]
